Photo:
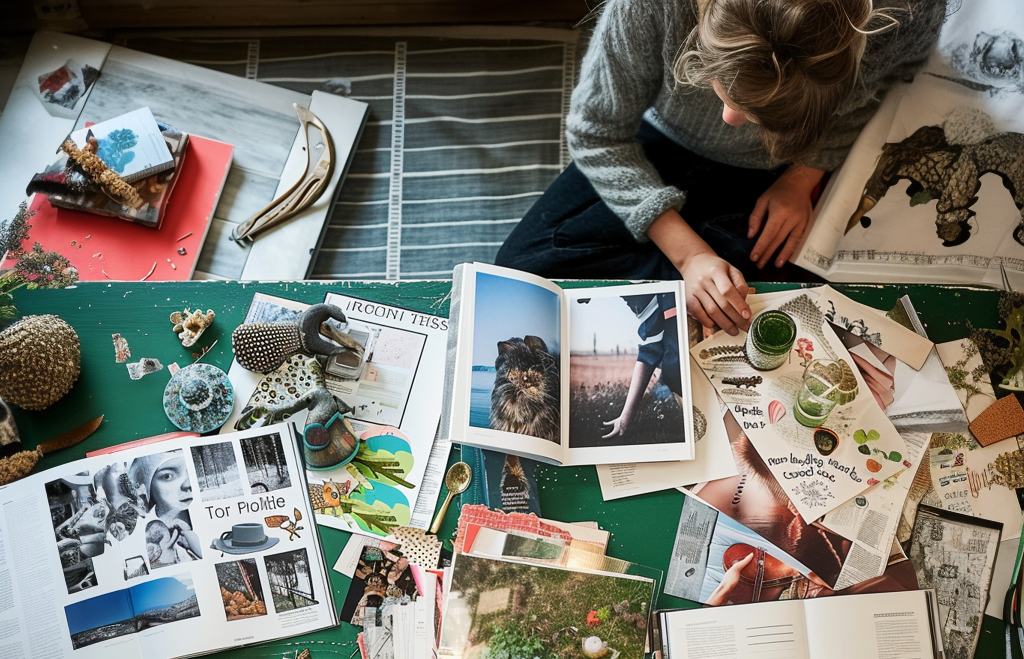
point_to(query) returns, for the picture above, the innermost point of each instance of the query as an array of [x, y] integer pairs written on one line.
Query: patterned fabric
[[465, 132]]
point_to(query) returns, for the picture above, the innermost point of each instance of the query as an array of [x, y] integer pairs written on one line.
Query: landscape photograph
[[131, 610]]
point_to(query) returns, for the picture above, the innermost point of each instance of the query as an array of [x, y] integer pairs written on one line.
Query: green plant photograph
[[504, 610]]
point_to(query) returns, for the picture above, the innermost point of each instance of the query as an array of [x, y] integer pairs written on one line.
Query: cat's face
[[520, 364]]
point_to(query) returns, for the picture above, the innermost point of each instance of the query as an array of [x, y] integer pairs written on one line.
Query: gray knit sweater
[[627, 72]]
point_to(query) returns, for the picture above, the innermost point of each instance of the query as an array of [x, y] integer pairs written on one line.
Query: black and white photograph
[[240, 589], [291, 583], [217, 471], [78, 539], [135, 567], [265, 464], [624, 371]]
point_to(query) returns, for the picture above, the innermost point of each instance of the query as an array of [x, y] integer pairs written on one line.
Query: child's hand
[[787, 205], [716, 292], [618, 425]]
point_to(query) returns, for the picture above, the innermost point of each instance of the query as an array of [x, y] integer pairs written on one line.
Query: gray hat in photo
[[244, 538]]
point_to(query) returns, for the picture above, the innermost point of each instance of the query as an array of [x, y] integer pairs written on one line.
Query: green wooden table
[[642, 527]]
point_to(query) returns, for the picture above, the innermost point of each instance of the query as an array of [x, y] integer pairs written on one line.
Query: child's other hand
[[787, 205], [716, 292]]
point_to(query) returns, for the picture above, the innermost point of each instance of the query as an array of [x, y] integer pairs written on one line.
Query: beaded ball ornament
[[40, 360]]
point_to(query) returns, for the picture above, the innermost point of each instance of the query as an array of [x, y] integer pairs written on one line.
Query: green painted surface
[[643, 527]]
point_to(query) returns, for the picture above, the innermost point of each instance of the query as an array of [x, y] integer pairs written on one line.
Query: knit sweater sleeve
[[890, 57], [621, 75]]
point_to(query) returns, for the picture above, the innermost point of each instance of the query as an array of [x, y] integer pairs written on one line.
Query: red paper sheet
[[104, 248]]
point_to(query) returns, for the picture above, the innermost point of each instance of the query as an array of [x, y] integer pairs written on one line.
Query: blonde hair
[[790, 64]]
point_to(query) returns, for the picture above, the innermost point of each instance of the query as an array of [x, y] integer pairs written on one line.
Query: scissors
[[305, 191]]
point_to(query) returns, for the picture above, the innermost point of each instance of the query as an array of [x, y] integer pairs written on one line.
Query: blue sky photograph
[[99, 611], [507, 308], [160, 593]]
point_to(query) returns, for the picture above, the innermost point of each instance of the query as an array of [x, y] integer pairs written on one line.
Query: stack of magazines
[[142, 152]]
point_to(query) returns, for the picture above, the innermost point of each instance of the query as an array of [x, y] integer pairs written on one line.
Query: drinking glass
[[817, 395]]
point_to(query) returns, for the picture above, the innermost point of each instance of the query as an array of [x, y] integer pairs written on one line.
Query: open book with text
[[568, 376], [869, 626]]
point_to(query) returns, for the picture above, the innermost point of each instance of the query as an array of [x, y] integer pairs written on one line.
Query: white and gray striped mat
[[466, 130]]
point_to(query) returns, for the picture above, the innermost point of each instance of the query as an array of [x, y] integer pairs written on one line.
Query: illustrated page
[[396, 475], [792, 387]]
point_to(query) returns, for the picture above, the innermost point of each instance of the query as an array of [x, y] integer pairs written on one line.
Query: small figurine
[[190, 325], [594, 647], [263, 347]]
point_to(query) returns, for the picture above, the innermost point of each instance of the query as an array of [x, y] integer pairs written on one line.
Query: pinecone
[[40, 360]]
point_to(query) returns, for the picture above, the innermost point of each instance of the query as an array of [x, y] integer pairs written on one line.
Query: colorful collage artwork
[[826, 463]]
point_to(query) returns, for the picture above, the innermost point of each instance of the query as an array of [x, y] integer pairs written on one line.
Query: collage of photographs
[[159, 537]]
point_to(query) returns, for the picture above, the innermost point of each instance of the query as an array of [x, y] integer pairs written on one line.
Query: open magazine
[[570, 377], [931, 189], [179, 548], [868, 626], [396, 475]]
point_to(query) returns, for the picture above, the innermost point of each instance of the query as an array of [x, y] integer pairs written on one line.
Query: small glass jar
[[770, 339]]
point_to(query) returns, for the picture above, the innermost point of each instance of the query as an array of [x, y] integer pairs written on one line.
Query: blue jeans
[[571, 233]]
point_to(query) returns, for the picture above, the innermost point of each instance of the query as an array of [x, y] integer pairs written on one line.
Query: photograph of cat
[[516, 346]]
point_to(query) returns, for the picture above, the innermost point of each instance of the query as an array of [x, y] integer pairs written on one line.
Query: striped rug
[[466, 130]]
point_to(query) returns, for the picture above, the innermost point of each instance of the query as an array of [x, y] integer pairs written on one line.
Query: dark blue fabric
[[663, 353], [571, 233]]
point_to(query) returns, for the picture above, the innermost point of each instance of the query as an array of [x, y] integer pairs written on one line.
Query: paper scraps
[[145, 366], [122, 352]]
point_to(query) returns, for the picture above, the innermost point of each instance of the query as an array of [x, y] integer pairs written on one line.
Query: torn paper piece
[[144, 366], [968, 375], [874, 327], [122, 352]]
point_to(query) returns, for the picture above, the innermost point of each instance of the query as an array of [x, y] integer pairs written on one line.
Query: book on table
[[573, 376], [132, 144], [867, 626], [180, 548], [164, 237]]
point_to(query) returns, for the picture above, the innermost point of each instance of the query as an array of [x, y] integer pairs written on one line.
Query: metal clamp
[[305, 191]]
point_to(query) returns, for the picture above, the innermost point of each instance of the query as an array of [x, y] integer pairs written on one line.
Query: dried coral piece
[[98, 171], [190, 325]]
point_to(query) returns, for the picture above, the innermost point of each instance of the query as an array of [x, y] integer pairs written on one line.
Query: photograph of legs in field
[[624, 372]]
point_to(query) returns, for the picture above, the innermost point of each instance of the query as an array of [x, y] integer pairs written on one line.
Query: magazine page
[[629, 375], [750, 631], [395, 401], [895, 625], [508, 392], [178, 548], [962, 217], [495, 604], [793, 387], [709, 545]]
